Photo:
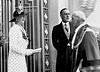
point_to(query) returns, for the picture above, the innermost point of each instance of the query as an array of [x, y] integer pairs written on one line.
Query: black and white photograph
[[49, 35]]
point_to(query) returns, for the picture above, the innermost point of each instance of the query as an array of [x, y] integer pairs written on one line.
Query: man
[[61, 38], [87, 56]]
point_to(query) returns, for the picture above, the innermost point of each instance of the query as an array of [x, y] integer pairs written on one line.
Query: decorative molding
[[47, 62], [46, 31], [46, 36], [84, 3], [45, 16], [28, 2], [46, 47], [45, 2], [88, 4]]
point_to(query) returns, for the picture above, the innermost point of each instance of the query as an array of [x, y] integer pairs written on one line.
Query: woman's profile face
[[21, 20]]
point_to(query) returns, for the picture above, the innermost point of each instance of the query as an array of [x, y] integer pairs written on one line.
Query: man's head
[[78, 17], [65, 15]]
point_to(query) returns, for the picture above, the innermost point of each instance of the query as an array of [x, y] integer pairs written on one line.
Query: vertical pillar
[[0, 19], [0, 35], [45, 36]]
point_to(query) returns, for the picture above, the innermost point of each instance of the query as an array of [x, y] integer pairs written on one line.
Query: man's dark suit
[[60, 42]]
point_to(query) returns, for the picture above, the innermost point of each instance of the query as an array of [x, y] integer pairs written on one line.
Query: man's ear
[[82, 19]]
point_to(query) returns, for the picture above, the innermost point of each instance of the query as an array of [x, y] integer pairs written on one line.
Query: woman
[[18, 43]]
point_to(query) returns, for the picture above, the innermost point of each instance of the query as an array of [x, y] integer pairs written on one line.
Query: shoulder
[[89, 35], [57, 26], [14, 29], [90, 31]]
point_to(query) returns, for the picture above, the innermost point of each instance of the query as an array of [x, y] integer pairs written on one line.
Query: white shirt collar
[[65, 23]]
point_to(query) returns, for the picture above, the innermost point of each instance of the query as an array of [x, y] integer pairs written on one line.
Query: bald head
[[78, 17], [79, 14]]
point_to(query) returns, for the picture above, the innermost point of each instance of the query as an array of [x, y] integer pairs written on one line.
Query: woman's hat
[[18, 13]]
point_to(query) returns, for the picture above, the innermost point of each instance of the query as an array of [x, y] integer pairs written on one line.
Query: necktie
[[66, 27]]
